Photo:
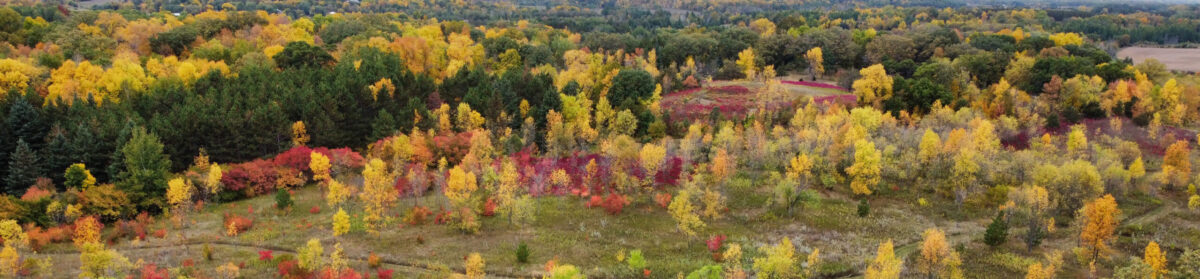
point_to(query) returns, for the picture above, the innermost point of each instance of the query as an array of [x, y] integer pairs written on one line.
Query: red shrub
[[669, 175], [489, 207], [39, 238], [160, 233], [329, 273], [251, 178], [384, 273], [451, 146], [151, 271], [342, 158], [714, 243], [594, 201], [663, 199], [239, 223], [36, 193], [315, 209], [442, 217], [296, 158], [614, 203], [265, 255], [291, 269]]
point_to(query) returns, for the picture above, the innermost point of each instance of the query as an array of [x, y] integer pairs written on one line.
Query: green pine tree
[[864, 208], [146, 168], [997, 232], [384, 126], [283, 199], [23, 169]]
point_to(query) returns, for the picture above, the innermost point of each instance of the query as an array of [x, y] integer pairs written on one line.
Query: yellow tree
[[780, 261], [1156, 260], [309, 257], [96, 261], [319, 164], [443, 118], [1177, 165], [763, 26], [1077, 141], [810, 265], [377, 193], [179, 192], [721, 166], [459, 186], [937, 259], [10, 261], [964, 173], [1038, 271], [885, 265], [866, 168], [816, 62], [799, 168], [341, 222], [506, 191], [1100, 221], [1137, 169], [651, 156], [930, 147], [383, 85], [684, 213], [299, 134], [336, 192], [746, 61], [474, 266], [212, 182], [16, 75], [874, 86], [468, 119]]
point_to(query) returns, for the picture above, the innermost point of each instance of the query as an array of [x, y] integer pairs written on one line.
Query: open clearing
[[1178, 59]]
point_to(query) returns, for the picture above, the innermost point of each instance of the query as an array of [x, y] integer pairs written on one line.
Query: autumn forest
[[570, 139]]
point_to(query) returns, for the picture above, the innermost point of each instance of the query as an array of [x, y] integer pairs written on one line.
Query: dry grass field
[[1177, 59]]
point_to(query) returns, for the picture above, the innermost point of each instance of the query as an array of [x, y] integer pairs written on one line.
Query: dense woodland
[[961, 141]]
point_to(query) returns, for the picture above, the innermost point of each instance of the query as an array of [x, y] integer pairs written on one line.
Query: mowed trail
[[1178, 59]]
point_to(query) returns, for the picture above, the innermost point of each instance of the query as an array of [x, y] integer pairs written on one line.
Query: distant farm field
[[1178, 59]]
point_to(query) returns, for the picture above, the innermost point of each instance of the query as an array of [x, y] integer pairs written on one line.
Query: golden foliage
[[341, 222], [1099, 223], [299, 134], [319, 164], [874, 86], [684, 213], [866, 168], [460, 185], [780, 261], [885, 265]]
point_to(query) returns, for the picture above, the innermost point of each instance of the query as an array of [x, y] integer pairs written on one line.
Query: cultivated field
[[1178, 59]]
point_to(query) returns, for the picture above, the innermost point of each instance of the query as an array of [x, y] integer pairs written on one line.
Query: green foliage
[[23, 169], [706, 272], [302, 55], [630, 88], [207, 251], [997, 231], [522, 253], [146, 167], [78, 177], [283, 199], [1188, 264], [864, 208], [636, 261], [1137, 269]]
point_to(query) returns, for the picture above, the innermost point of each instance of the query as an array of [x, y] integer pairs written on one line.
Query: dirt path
[[1168, 206]]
